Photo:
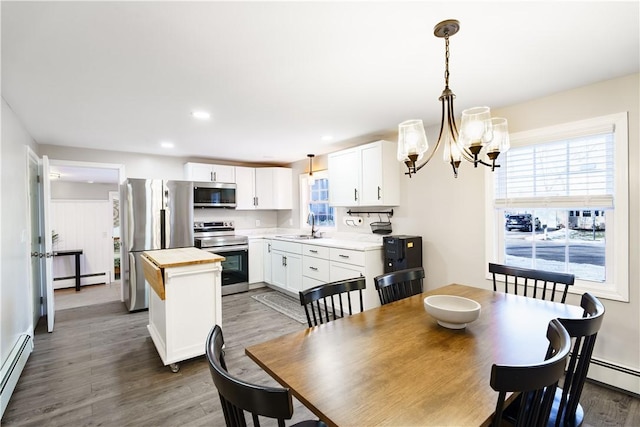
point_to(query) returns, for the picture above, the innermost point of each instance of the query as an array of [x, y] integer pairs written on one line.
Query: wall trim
[[12, 369]]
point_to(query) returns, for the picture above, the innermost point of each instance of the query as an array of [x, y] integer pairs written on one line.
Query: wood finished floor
[[100, 368]]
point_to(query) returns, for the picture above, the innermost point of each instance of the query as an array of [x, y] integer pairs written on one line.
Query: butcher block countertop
[[165, 258], [154, 262]]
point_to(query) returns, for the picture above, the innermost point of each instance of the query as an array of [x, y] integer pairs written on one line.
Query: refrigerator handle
[[163, 234]]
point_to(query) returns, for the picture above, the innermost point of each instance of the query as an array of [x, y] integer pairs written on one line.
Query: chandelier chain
[[446, 59]]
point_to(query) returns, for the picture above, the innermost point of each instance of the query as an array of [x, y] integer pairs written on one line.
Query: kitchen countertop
[[353, 241]]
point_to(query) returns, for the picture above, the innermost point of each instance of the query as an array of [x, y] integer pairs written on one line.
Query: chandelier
[[478, 129]]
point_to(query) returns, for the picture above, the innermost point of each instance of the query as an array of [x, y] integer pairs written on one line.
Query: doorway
[[87, 173]]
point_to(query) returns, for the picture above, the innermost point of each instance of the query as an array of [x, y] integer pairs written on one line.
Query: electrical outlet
[[257, 223]]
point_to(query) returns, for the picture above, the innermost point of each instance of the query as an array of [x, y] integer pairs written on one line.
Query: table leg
[[77, 272]]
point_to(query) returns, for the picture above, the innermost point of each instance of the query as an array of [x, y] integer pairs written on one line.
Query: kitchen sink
[[298, 237]]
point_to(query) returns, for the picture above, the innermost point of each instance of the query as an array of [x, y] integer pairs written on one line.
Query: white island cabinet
[[186, 301]]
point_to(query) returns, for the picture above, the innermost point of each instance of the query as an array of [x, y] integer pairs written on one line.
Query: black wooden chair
[[399, 284], [536, 383], [535, 283], [331, 301], [567, 410], [237, 396]]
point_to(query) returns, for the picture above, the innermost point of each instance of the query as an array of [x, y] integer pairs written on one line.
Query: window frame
[[616, 287], [304, 200]]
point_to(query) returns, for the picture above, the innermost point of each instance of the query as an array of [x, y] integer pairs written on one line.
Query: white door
[[245, 188], [371, 175], [344, 176], [35, 247], [264, 188], [48, 243]]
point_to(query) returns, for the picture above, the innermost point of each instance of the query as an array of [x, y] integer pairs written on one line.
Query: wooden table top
[[395, 366]]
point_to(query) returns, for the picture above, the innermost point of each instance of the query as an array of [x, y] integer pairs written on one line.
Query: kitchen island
[[186, 301]]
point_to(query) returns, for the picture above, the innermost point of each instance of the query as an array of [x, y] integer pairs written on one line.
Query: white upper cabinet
[[367, 175], [204, 172], [264, 188], [245, 188]]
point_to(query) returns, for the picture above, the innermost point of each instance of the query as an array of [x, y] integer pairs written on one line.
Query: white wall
[[15, 293]]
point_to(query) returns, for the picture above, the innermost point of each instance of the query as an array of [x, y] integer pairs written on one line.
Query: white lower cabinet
[[256, 260], [324, 264], [266, 260], [286, 266]]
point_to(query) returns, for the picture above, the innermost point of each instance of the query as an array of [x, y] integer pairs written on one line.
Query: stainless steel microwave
[[214, 195]]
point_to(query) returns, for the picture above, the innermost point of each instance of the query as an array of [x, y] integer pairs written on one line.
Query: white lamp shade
[[411, 139], [500, 140], [475, 126]]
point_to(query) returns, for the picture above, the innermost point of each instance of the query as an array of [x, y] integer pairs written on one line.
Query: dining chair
[[536, 383], [537, 283], [326, 302], [238, 396], [567, 410], [399, 284]]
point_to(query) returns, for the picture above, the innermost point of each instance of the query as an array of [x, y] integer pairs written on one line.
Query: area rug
[[283, 304]]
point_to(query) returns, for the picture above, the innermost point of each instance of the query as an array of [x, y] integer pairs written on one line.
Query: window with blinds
[[559, 202]]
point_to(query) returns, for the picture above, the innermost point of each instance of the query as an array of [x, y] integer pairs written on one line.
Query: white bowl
[[451, 311]]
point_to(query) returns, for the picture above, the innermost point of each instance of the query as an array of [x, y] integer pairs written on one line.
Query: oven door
[[235, 268]]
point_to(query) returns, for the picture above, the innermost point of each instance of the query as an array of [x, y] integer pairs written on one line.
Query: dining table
[[394, 365]]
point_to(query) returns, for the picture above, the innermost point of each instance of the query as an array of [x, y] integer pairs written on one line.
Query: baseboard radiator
[[620, 377], [12, 368]]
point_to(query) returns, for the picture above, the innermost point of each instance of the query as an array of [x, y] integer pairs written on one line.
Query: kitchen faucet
[[311, 220]]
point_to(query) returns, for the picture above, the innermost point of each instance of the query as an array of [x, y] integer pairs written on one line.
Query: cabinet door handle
[[284, 261], [313, 268], [215, 176], [255, 201], [269, 247], [313, 251], [379, 193], [343, 256], [355, 194]]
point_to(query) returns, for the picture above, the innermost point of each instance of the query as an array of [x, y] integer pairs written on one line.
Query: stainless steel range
[[220, 237]]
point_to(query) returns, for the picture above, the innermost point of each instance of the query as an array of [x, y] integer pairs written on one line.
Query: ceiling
[[277, 77]]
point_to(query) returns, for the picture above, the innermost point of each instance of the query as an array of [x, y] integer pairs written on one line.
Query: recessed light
[[201, 115], [167, 144], [327, 138], [89, 182]]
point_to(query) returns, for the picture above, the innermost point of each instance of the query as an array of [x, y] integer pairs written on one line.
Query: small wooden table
[[76, 253], [395, 366]]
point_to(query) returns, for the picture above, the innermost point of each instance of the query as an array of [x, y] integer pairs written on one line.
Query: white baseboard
[[615, 375], [12, 369]]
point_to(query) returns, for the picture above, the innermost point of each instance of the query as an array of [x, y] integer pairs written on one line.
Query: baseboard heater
[[622, 369], [12, 368]]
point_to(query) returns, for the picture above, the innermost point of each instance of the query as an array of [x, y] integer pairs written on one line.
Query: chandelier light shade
[[415, 141], [477, 128]]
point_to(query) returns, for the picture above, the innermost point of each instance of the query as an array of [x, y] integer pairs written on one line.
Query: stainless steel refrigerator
[[157, 214]]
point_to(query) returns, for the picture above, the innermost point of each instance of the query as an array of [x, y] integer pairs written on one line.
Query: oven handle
[[223, 249]]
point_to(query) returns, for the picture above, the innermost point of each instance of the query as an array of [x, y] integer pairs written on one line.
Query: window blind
[[574, 172]]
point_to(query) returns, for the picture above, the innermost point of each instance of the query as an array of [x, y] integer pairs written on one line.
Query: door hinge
[[38, 179], [40, 240], [41, 300]]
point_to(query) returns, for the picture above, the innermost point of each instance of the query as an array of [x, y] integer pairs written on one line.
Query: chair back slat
[[543, 283], [325, 303], [399, 284]]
